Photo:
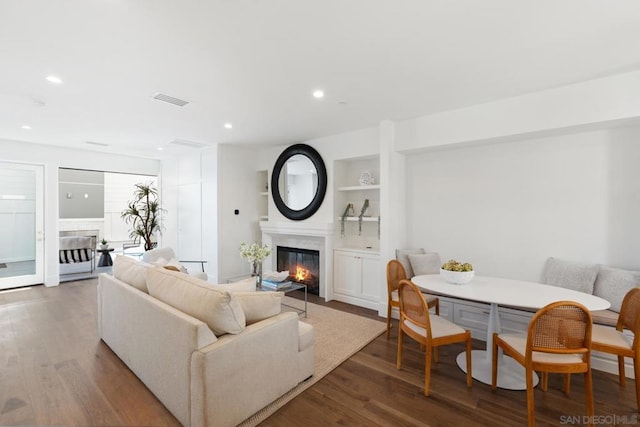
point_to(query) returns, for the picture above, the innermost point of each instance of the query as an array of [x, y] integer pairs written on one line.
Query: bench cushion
[[613, 284], [571, 275]]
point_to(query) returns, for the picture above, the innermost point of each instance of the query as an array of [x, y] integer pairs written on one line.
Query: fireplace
[[303, 266]]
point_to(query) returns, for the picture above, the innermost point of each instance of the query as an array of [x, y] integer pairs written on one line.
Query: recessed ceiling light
[[160, 148], [228, 125], [54, 79], [27, 127], [318, 94]]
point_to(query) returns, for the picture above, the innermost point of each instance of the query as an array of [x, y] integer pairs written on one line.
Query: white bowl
[[457, 277]]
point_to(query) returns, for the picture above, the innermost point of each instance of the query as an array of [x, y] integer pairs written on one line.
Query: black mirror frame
[[318, 198]]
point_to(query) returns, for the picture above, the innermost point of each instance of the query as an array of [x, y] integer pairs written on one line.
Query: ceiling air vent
[[170, 99], [186, 143]]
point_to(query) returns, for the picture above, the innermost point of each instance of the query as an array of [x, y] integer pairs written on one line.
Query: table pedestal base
[[510, 373]]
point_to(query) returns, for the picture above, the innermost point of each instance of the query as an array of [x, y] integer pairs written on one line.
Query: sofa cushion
[[131, 271], [219, 310], [258, 306], [613, 284], [428, 263], [571, 275], [402, 255], [306, 336]]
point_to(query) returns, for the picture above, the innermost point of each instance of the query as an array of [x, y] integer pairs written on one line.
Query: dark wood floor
[[55, 371]]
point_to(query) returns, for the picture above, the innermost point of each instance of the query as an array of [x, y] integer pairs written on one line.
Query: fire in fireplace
[[303, 266]]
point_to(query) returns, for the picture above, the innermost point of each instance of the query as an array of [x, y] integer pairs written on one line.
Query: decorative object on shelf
[[144, 213], [349, 211], [104, 244], [255, 253], [456, 272], [362, 211], [366, 178]]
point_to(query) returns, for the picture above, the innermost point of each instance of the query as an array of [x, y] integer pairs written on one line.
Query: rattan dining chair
[[613, 341], [396, 273], [430, 331], [558, 340]]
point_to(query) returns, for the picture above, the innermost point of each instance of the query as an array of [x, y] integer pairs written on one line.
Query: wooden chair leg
[[436, 355], [437, 307], [494, 362], [399, 360], [588, 390], [388, 320], [636, 373], [621, 374], [544, 381], [469, 373], [427, 370], [567, 383], [531, 415]]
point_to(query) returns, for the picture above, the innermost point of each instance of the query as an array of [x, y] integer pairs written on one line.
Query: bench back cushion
[[571, 275], [613, 284]]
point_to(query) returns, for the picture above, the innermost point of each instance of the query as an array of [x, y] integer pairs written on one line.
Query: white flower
[[254, 252]]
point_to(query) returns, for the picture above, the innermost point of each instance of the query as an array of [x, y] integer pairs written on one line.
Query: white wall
[[506, 207], [237, 189], [53, 158]]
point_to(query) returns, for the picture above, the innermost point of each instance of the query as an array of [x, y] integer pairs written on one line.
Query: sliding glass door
[[21, 225]]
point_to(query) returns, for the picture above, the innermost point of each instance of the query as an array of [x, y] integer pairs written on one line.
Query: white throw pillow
[[402, 255], [613, 284], [219, 310], [428, 263], [131, 271], [245, 285], [571, 275], [258, 306]]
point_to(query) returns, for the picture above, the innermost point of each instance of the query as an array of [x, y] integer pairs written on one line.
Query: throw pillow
[[219, 310], [258, 306], [245, 285], [402, 255], [613, 284], [131, 271], [428, 263], [571, 275]]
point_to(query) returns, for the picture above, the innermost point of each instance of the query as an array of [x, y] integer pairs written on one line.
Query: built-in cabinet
[[356, 277], [475, 316]]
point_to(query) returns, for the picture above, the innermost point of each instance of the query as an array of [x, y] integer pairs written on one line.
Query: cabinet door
[[370, 277], [346, 274]]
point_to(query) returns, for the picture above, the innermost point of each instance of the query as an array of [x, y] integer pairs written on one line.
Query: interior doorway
[[21, 225]]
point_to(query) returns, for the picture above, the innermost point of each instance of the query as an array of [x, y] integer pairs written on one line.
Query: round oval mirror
[[298, 182]]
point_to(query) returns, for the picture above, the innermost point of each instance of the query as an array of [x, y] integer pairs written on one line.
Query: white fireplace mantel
[[304, 235], [297, 228]]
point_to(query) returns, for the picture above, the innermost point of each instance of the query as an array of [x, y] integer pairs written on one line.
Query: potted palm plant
[[144, 214]]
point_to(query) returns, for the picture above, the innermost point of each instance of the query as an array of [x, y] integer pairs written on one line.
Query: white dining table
[[498, 291]]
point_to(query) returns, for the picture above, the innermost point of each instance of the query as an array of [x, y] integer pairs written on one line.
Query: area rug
[[338, 336]]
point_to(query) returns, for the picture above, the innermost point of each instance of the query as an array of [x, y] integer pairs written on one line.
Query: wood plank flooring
[[54, 370]]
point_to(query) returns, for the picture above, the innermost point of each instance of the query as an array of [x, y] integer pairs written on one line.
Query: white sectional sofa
[[234, 354]]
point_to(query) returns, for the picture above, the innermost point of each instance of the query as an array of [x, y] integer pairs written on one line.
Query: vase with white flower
[[255, 253]]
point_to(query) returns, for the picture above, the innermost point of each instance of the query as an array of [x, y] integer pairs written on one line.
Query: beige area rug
[[338, 336]]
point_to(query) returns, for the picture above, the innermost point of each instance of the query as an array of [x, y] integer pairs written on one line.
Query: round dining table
[[498, 291]]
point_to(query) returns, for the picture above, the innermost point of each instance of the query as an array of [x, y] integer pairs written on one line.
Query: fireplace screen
[[303, 266]]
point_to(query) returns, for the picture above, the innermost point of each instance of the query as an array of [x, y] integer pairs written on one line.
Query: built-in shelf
[[355, 218], [359, 188], [264, 193]]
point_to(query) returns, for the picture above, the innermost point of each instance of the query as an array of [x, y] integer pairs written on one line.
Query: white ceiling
[[255, 64]]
